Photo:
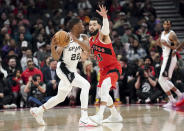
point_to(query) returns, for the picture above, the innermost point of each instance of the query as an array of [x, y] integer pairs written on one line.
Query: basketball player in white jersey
[[68, 58], [168, 42]]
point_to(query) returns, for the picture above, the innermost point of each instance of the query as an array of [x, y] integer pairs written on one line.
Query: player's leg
[[115, 115], [163, 81], [64, 88], [82, 83], [105, 99], [170, 84]]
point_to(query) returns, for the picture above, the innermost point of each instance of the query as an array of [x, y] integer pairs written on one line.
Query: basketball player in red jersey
[[110, 68]]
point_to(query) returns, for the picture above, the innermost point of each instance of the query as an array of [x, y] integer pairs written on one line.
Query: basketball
[[62, 38]]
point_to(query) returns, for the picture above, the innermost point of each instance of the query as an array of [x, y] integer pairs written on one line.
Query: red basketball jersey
[[103, 53]]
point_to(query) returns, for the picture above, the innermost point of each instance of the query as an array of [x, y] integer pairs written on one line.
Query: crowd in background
[[27, 70]]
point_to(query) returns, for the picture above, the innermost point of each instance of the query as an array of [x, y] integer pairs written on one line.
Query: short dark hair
[[167, 20], [72, 22], [97, 19], [35, 77]]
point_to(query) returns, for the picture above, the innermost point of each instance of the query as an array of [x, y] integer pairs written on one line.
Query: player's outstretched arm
[[55, 50], [105, 30], [105, 27]]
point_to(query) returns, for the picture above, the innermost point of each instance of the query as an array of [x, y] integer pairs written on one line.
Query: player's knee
[[104, 94], [85, 85]]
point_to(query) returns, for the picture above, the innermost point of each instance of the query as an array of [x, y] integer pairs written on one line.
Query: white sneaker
[[86, 123], [97, 119], [37, 115], [181, 97], [113, 119], [169, 104]]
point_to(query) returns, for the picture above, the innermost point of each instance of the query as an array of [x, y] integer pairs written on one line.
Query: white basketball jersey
[[71, 55], [165, 37]]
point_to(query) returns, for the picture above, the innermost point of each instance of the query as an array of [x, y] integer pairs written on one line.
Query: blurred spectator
[[7, 38], [135, 51], [51, 79], [143, 35], [10, 46], [146, 86], [30, 71], [46, 63], [120, 21], [36, 90], [22, 30], [148, 64], [22, 20], [6, 95], [127, 34], [84, 4], [15, 84], [177, 78], [24, 59], [118, 46], [91, 75], [12, 66]]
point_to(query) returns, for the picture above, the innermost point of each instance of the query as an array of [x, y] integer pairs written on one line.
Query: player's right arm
[[56, 51]]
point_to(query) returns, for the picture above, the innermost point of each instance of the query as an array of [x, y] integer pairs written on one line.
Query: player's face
[[167, 25], [79, 27], [93, 27]]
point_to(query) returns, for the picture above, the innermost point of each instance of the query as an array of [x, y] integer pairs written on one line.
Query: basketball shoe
[[113, 119], [97, 119], [86, 123], [38, 115]]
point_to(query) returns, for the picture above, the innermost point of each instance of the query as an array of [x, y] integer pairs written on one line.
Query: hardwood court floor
[[136, 118]]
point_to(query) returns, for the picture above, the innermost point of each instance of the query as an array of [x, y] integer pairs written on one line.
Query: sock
[[101, 110], [84, 114], [40, 108], [179, 94], [113, 110], [147, 100], [171, 98]]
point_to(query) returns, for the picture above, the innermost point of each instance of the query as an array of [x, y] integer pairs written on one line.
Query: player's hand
[[54, 41], [103, 11]]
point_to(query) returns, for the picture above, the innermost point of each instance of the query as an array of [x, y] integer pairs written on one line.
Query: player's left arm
[[84, 43], [174, 39], [105, 30]]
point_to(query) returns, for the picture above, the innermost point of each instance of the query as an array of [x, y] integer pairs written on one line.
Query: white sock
[[40, 108], [84, 114], [171, 98], [179, 94], [147, 100], [101, 110], [113, 110]]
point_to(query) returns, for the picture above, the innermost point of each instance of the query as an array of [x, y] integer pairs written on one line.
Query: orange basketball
[[62, 38]]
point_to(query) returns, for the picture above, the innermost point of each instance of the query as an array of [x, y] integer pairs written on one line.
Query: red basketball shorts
[[113, 72]]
